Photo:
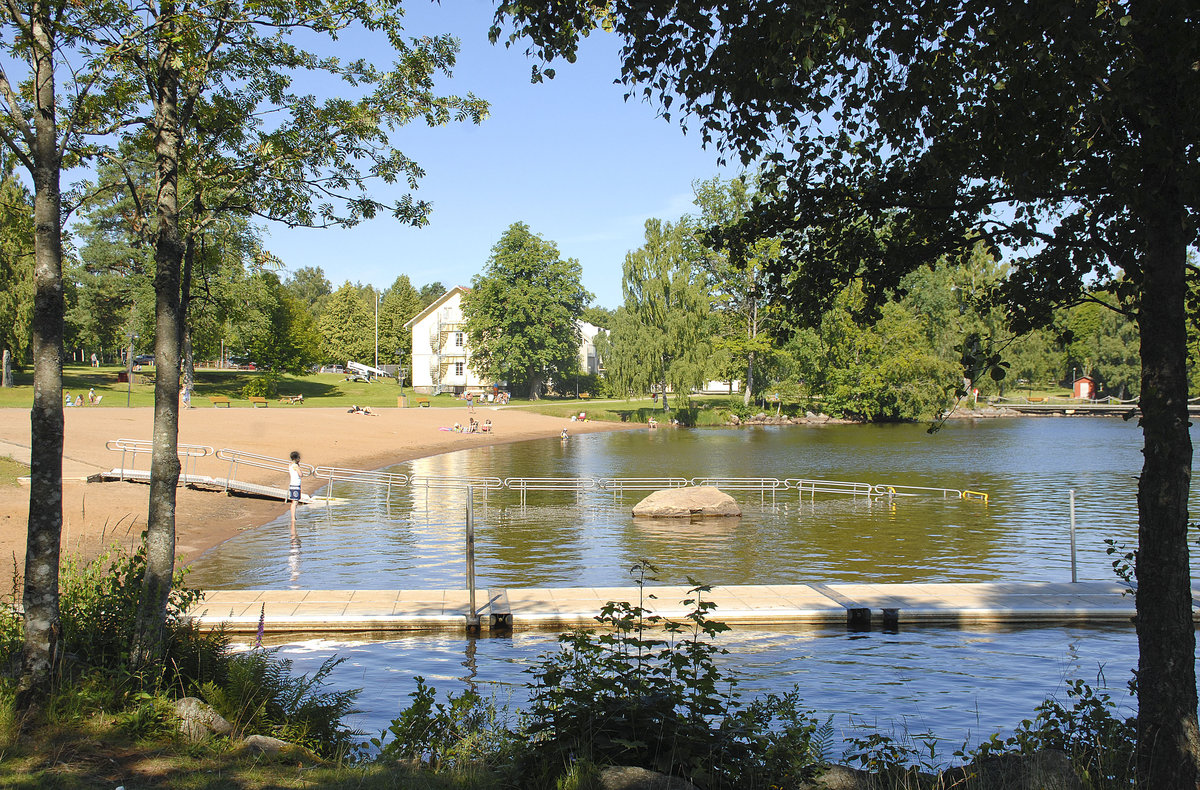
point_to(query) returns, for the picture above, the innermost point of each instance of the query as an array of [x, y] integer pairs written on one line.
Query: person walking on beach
[[294, 490]]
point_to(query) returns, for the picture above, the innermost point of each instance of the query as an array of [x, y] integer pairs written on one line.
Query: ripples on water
[[944, 680]]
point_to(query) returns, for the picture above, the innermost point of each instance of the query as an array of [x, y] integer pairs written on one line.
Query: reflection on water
[[412, 537], [962, 685], [940, 681]]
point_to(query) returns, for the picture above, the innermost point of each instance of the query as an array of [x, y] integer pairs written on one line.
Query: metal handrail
[[829, 487], [620, 484], [947, 493], [235, 457], [189, 452], [450, 481], [526, 484], [760, 484], [333, 474]]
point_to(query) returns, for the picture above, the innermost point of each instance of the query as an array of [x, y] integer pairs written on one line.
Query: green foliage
[[16, 263], [348, 326], [649, 692], [264, 386], [273, 328], [99, 601], [1101, 745], [465, 730], [521, 313], [259, 694], [660, 336]]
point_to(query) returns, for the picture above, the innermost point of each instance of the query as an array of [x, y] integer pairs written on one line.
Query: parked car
[[144, 359], [333, 369]]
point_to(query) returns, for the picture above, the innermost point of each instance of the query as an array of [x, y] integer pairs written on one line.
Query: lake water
[[958, 684]]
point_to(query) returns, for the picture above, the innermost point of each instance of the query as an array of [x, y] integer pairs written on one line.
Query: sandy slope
[[95, 514]]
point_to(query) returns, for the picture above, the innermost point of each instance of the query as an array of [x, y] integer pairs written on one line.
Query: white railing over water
[[240, 458], [523, 485]]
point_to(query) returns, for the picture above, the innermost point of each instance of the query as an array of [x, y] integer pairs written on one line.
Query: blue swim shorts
[[294, 493]]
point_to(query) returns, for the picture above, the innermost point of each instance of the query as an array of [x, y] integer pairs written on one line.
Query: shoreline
[[96, 515]]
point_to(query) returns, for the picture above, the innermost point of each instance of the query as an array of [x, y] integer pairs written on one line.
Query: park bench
[[219, 400], [422, 402], [256, 401]]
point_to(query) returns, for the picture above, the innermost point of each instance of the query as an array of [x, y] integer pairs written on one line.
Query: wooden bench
[[423, 402], [219, 400], [256, 401]]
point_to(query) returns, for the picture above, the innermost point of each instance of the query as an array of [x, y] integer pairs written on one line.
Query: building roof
[[441, 300]]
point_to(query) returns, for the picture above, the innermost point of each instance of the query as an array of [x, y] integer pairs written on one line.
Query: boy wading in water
[[294, 490]]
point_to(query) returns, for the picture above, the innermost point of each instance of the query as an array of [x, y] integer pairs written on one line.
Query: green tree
[[48, 131], [276, 329], [347, 326], [521, 313], [16, 270], [400, 303], [1068, 137], [660, 335], [739, 296], [430, 293], [218, 103], [311, 287]]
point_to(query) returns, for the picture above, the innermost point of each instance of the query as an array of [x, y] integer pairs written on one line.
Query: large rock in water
[[693, 501]]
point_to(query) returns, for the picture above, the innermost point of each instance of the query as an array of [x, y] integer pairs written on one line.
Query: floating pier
[[853, 606]]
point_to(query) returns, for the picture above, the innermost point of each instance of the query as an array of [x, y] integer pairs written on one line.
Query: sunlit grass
[[10, 470]]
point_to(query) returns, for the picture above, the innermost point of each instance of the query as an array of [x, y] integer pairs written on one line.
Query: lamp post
[[378, 297], [129, 371]]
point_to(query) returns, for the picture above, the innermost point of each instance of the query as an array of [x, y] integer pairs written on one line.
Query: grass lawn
[[10, 470], [318, 389]]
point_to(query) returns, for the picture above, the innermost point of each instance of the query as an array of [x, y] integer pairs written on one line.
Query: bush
[[260, 695], [98, 609], [1101, 746], [265, 385], [465, 731], [649, 693]]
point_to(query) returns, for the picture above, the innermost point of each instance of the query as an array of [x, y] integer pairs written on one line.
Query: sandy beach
[[97, 514]]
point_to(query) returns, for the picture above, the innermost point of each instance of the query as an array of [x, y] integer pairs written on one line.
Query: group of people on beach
[[92, 398], [473, 426]]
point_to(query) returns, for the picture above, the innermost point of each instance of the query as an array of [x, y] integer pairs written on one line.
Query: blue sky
[[569, 157]]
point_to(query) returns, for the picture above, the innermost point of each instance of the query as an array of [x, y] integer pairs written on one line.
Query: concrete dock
[[854, 606]]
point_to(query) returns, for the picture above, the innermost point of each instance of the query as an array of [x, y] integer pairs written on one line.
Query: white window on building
[[458, 339], [458, 367]]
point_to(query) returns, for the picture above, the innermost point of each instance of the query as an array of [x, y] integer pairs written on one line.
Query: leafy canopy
[[522, 312]]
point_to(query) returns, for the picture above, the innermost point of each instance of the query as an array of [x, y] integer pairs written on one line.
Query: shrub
[[649, 693], [466, 730], [265, 385], [1101, 746], [260, 695]]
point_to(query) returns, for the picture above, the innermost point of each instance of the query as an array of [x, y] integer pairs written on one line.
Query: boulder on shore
[[691, 501]]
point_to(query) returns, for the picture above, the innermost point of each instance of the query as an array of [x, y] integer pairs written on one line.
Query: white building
[[441, 355]]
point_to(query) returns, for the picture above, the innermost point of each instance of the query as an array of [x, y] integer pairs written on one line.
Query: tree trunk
[[40, 594], [164, 461], [6, 376], [1168, 749], [752, 332]]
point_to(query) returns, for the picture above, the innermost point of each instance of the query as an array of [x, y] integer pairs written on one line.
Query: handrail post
[[1073, 578], [473, 617]]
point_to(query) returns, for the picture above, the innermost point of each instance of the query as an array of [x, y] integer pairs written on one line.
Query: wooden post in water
[[473, 617], [1073, 579]]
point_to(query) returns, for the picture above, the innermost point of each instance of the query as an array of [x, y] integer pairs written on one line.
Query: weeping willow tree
[[660, 335]]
